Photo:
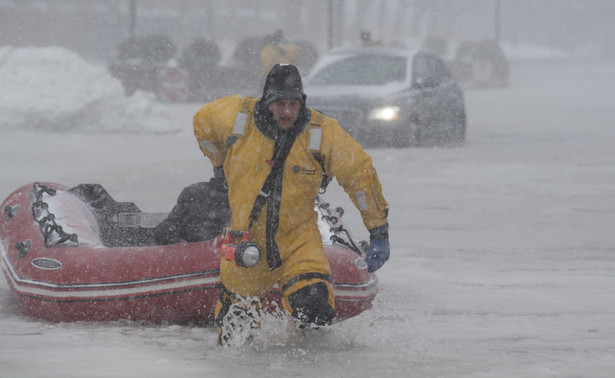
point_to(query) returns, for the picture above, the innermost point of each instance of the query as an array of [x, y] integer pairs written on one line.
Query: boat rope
[[52, 232], [338, 229]]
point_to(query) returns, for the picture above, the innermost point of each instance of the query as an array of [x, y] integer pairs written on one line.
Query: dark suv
[[389, 96]]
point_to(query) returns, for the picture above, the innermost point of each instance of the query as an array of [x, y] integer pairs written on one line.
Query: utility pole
[[330, 22], [132, 17], [498, 21], [335, 21]]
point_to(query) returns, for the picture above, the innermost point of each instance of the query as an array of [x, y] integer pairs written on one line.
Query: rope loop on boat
[[53, 233], [340, 233]]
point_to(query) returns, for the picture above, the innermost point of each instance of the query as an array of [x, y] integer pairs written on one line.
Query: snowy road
[[503, 251]]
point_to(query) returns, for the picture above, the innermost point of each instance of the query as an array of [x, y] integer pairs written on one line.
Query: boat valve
[[10, 211]]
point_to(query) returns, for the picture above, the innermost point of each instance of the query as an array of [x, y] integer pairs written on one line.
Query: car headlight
[[384, 113]]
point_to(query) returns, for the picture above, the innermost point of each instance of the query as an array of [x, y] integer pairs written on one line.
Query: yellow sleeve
[[345, 159], [213, 124]]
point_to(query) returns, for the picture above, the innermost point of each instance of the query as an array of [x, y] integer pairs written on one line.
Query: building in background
[[95, 29]]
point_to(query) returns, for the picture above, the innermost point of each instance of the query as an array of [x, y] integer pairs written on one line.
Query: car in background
[[386, 96]]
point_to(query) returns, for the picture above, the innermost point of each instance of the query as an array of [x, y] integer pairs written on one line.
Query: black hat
[[283, 83]]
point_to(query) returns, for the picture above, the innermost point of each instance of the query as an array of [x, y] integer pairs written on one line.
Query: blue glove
[[379, 248], [377, 255]]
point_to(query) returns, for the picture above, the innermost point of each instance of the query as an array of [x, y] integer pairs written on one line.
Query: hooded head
[[283, 83]]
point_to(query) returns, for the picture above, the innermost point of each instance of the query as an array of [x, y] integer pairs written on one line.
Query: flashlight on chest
[[243, 253]]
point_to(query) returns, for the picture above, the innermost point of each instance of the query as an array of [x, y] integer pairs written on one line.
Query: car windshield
[[362, 70]]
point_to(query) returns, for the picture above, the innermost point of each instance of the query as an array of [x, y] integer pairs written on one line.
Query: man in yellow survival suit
[[273, 152]]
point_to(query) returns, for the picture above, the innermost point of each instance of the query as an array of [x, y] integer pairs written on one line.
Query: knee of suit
[[310, 304]]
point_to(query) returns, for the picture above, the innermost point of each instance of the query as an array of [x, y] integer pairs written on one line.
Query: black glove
[[379, 248]]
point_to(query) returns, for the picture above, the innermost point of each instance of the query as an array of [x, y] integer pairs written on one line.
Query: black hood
[[283, 83]]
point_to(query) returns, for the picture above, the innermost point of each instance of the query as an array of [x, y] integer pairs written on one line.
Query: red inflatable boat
[[56, 261]]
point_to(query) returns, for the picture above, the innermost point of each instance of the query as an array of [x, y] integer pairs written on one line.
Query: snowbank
[[53, 89], [532, 53]]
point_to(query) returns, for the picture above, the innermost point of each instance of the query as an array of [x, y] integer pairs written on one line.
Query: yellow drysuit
[[246, 166]]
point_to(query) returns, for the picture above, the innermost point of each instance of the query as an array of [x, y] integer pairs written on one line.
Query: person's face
[[285, 112]]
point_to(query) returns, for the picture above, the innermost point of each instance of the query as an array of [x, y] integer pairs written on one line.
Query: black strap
[[272, 191], [324, 183]]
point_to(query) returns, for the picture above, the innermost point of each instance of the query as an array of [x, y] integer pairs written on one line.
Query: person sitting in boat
[[272, 153]]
